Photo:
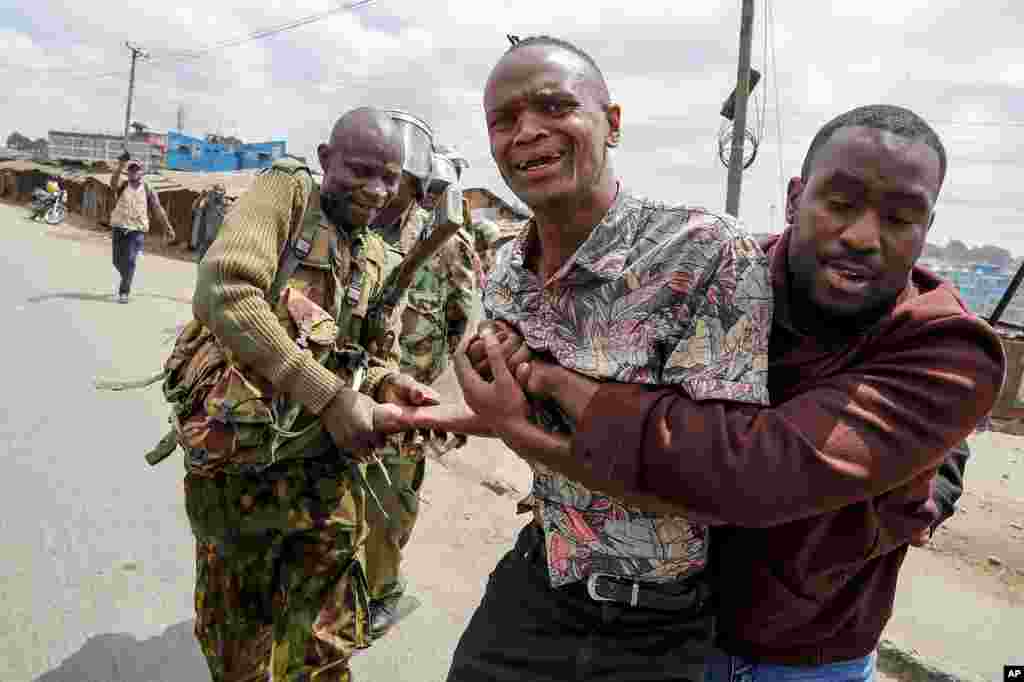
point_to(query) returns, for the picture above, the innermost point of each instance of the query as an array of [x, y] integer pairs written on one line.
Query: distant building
[[94, 147], [185, 152], [981, 285]]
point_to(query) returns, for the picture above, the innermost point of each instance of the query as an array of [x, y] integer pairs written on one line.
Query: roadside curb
[[909, 666]]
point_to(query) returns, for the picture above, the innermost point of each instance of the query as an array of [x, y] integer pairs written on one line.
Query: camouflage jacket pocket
[[228, 418]]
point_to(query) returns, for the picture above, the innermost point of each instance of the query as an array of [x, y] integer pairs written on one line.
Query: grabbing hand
[[402, 389], [497, 401], [511, 346], [399, 396], [349, 418]]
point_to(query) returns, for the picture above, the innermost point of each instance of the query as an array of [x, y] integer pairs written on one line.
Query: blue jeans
[[723, 668], [126, 246]]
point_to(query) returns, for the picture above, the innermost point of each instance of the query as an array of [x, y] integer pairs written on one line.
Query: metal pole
[[739, 125], [1007, 296]]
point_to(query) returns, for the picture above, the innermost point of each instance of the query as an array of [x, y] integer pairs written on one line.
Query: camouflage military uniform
[[441, 300], [485, 237], [280, 589]]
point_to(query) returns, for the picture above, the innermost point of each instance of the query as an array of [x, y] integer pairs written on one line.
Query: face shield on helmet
[[445, 190], [460, 162], [418, 144]]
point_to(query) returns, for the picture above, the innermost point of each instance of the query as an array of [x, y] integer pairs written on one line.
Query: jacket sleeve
[[845, 439], [237, 272]]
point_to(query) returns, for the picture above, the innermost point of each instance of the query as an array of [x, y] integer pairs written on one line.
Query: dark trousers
[[127, 244], [526, 630]]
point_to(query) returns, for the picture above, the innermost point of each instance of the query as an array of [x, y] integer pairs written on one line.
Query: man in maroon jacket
[[876, 371]]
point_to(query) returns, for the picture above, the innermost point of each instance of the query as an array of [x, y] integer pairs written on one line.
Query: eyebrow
[[841, 177], [545, 91]]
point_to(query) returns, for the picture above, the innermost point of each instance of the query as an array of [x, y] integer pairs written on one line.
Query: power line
[[182, 56], [188, 55]]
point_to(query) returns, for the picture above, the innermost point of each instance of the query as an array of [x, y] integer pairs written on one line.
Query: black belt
[[685, 595]]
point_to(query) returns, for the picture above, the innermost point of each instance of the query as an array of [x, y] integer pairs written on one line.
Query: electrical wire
[[182, 56], [190, 55]]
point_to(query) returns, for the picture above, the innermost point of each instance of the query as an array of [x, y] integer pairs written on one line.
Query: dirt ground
[[987, 532], [78, 228]]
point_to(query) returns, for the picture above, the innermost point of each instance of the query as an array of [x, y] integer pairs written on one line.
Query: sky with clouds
[[669, 64]]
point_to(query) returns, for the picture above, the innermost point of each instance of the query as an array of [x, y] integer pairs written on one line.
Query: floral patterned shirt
[[655, 295]]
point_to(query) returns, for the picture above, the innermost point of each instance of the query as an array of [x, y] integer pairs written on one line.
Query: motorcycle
[[51, 206]]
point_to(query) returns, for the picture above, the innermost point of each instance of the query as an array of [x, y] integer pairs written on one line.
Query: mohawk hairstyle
[[546, 40], [896, 120]]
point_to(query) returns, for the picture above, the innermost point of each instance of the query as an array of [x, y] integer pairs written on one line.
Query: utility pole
[[739, 123], [136, 53]]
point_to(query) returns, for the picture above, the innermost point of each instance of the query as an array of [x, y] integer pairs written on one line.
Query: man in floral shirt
[[620, 289]]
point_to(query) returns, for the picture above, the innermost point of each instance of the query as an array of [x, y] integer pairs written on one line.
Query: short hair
[[551, 41], [896, 120]]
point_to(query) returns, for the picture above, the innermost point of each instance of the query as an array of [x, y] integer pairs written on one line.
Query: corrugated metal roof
[[20, 165], [235, 182]]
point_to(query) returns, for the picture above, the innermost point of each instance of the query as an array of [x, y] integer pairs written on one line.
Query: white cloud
[[670, 65]]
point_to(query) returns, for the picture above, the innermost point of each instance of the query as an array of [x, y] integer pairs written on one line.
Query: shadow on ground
[[172, 656], [101, 298]]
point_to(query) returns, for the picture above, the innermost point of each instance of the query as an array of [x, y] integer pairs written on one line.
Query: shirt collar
[[601, 255]]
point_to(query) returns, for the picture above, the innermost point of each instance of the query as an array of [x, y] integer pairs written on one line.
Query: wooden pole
[[136, 53], [739, 125]]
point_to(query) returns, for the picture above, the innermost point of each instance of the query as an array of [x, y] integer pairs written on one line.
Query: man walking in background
[[129, 221]]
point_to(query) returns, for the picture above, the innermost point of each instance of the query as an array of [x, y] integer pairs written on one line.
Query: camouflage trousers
[[280, 588], [389, 536]]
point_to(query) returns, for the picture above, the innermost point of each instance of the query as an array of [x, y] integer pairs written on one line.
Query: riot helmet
[[418, 144]]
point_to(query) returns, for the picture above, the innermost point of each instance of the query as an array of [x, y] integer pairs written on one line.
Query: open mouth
[[539, 163], [848, 276]]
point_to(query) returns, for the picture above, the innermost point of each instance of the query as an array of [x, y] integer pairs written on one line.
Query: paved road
[[97, 578]]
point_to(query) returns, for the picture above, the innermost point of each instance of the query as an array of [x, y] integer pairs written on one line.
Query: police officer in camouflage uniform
[[441, 299], [280, 520]]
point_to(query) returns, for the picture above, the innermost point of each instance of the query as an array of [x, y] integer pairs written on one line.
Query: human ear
[[323, 152], [613, 113], [793, 192]]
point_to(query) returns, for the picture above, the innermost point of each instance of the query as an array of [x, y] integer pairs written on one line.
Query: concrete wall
[[91, 148]]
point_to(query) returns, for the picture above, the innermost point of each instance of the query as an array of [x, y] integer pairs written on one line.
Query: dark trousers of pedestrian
[[127, 244], [526, 630]]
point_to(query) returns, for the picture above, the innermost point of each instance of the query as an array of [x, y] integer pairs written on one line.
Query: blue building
[[188, 153], [980, 284]]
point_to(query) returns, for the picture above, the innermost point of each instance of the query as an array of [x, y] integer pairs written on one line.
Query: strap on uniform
[[296, 249]]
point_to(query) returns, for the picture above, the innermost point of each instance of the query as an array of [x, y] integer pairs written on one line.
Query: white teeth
[[526, 165]]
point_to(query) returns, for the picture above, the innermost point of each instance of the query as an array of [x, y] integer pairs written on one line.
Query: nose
[[864, 233], [376, 190], [530, 129]]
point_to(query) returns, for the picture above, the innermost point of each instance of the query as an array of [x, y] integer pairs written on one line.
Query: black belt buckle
[[597, 596], [648, 595]]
